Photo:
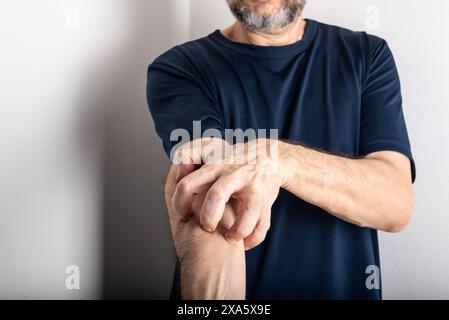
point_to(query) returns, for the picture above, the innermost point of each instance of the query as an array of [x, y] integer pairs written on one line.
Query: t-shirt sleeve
[[382, 124], [177, 96]]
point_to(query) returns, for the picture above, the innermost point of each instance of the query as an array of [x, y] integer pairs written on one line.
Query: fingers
[[247, 219], [229, 215], [183, 170], [260, 231], [228, 219], [189, 180], [198, 202], [195, 182], [200, 151], [217, 197]]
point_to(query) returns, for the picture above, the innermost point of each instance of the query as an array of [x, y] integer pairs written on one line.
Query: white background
[[81, 170]]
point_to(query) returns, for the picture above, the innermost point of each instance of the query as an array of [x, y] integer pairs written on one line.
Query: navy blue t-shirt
[[335, 90]]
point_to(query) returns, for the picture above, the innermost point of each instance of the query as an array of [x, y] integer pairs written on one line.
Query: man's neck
[[288, 35]]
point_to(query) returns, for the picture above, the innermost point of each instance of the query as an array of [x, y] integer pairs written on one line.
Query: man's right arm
[[211, 268]]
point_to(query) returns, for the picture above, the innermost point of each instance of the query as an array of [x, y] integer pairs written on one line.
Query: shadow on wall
[[137, 253]]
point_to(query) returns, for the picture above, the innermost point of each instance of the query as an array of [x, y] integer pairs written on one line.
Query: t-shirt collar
[[269, 51]]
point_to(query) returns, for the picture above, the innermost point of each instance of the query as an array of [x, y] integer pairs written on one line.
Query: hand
[[248, 175], [211, 268]]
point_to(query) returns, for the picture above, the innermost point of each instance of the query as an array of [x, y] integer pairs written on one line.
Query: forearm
[[369, 192], [211, 268]]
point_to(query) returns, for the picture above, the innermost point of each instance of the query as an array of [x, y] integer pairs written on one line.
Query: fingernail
[[207, 229], [230, 240]]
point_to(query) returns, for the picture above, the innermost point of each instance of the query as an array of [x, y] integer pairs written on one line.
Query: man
[[344, 167]]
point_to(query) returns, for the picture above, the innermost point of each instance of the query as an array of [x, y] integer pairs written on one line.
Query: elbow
[[400, 217]]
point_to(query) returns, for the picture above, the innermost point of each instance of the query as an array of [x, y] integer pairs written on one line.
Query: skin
[[358, 191], [211, 268], [374, 191], [290, 34]]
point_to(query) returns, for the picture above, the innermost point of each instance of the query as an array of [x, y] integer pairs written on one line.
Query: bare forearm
[[369, 192], [211, 268]]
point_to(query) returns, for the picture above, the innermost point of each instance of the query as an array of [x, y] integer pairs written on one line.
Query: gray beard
[[270, 24]]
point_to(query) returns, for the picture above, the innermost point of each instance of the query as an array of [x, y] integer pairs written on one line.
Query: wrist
[[285, 163]]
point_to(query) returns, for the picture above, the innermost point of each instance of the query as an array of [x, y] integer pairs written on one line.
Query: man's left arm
[[374, 191]]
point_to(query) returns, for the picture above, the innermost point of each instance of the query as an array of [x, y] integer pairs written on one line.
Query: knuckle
[[215, 194], [184, 186], [253, 207]]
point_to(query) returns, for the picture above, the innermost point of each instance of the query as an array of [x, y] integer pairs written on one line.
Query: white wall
[[80, 167], [81, 170], [415, 262]]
